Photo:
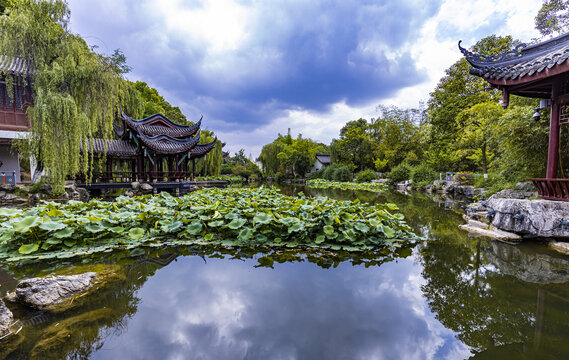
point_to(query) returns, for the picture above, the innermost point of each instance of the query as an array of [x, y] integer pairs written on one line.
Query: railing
[[129, 176], [552, 189], [8, 177]]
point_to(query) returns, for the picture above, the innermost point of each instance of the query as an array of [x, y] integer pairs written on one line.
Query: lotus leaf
[[26, 224], [236, 223], [52, 226], [136, 233], [28, 248]]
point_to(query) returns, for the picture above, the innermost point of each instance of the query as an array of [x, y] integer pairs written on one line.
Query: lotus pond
[[441, 295]]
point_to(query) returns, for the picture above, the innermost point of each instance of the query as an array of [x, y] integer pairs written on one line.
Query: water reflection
[[455, 297]]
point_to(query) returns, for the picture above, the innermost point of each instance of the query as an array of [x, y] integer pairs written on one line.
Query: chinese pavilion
[[151, 149], [537, 71]]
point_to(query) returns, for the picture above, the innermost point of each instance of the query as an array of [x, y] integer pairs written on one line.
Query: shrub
[[422, 176], [366, 176], [464, 178], [494, 183], [318, 174], [330, 172], [400, 173], [343, 173]]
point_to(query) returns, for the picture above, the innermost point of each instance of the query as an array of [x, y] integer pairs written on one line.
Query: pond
[[450, 297]]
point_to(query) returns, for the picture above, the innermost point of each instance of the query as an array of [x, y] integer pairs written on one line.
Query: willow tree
[[76, 91], [210, 165]]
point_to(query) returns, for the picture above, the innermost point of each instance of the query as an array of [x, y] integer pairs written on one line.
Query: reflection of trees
[[83, 329], [489, 304]]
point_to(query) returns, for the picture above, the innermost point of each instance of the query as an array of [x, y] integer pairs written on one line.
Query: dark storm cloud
[[297, 55]]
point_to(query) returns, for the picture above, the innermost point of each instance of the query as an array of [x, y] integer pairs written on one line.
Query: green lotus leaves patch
[[223, 217], [326, 184]]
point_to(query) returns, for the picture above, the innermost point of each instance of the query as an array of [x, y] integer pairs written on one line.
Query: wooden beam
[[543, 75], [553, 149]]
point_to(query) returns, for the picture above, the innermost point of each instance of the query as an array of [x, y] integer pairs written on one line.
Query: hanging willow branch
[[76, 91]]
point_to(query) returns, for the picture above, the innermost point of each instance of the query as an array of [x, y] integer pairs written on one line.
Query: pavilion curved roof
[[167, 144], [159, 124], [202, 149], [111, 147], [522, 61], [523, 64]]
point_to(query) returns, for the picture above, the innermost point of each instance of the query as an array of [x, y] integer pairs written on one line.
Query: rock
[[134, 185], [83, 194], [528, 265], [480, 228], [526, 186], [515, 194], [129, 193], [7, 187], [146, 188], [429, 188], [41, 293], [559, 246], [13, 199], [46, 189], [542, 218], [75, 196], [2, 194], [6, 319]]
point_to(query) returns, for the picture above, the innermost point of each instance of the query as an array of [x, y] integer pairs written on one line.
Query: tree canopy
[[76, 91]]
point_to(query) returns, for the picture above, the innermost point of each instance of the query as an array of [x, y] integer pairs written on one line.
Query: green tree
[[552, 17], [354, 148], [479, 123], [76, 91], [455, 92], [155, 103], [210, 165]]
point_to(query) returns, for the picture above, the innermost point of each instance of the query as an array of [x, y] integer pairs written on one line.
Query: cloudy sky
[[255, 68]]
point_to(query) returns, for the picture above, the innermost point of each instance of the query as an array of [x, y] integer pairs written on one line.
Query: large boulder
[[542, 218], [43, 293], [6, 319]]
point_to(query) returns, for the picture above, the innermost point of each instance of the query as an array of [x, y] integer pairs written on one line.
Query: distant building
[[320, 162], [13, 121]]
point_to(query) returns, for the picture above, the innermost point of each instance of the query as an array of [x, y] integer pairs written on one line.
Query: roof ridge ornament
[[485, 60]]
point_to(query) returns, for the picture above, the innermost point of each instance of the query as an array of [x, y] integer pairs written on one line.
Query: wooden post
[[193, 169], [553, 150]]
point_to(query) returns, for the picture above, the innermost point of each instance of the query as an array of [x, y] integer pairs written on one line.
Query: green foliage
[[291, 157], [552, 17], [228, 217], [401, 172], [210, 165], [76, 91], [366, 176], [354, 148], [325, 184], [494, 183], [456, 93], [423, 175], [329, 172], [343, 174], [240, 165], [464, 178], [154, 103], [229, 179]]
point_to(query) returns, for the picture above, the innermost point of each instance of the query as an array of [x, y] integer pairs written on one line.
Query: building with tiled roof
[[153, 148], [538, 71], [13, 120]]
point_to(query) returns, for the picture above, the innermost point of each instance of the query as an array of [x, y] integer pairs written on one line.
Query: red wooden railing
[[552, 189]]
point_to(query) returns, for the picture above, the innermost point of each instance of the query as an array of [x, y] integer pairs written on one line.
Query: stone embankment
[[19, 195]]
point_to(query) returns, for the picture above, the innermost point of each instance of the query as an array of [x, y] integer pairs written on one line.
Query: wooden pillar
[[193, 169], [109, 169], [553, 150]]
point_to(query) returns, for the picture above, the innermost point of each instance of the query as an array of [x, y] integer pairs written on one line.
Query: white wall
[[9, 161]]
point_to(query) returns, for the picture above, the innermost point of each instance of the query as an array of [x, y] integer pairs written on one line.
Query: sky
[[255, 68]]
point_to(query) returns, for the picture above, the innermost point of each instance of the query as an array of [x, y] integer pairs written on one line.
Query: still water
[[451, 297]]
